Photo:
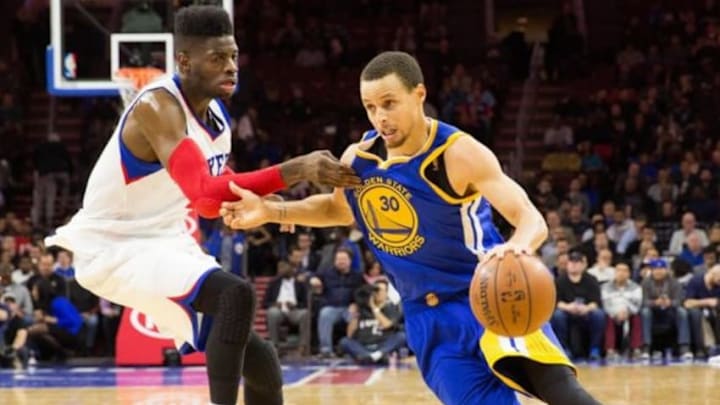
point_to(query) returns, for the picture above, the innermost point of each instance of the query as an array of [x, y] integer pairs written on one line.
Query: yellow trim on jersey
[[535, 346], [433, 155], [384, 164]]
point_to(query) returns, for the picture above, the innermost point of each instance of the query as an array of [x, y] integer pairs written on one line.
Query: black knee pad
[[236, 310], [262, 369]]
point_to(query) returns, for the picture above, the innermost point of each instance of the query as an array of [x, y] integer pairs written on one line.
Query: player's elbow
[[543, 231], [208, 208]]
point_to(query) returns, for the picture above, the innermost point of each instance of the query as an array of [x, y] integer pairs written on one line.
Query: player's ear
[[182, 61], [421, 92]]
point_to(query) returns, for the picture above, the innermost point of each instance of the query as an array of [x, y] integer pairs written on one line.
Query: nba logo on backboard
[[145, 325], [70, 66]]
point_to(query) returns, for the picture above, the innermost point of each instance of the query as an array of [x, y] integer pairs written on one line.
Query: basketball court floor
[[338, 383]]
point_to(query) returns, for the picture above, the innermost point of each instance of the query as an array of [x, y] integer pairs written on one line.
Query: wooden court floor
[[636, 385]]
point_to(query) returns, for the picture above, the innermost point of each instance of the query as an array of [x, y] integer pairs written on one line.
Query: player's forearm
[[189, 170], [530, 230], [292, 171], [315, 211]]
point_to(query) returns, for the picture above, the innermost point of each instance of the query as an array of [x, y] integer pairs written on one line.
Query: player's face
[[211, 65], [394, 111]]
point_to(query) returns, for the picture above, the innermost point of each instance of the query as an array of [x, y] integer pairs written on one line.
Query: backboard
[[91, 39]]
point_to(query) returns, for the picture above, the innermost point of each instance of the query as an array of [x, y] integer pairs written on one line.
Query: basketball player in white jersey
[[168, 153]]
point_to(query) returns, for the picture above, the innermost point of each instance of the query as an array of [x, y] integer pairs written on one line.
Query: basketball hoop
[[132, 79]]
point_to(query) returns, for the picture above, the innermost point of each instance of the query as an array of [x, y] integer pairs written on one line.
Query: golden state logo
[[391, 220]]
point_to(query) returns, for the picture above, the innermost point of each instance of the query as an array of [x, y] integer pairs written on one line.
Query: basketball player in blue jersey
[[168, 153], [425, 209]]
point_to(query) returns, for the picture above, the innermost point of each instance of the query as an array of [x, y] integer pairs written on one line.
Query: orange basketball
[[512, 295]]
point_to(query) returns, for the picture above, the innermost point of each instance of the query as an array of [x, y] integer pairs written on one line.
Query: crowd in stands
[[635, 236], [629, 188]]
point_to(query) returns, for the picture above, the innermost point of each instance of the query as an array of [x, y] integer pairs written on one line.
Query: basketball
[[512, 295]]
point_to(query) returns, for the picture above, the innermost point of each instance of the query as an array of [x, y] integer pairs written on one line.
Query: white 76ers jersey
[[129, 196]]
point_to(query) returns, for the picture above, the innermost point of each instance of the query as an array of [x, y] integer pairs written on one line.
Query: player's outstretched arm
[[161, 121], [472, 167], [321, 210]]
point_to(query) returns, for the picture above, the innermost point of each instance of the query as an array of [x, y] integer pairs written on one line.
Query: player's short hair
[[402, 64], [203, 21]]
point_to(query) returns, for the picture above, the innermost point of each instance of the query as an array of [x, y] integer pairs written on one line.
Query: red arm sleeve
[[189, 169]]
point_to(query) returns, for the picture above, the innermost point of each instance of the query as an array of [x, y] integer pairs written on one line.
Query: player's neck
[[414, 142], [198, 103]]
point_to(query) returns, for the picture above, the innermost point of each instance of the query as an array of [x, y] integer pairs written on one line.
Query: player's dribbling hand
[[323, 168], [503, 249], [247, 213]]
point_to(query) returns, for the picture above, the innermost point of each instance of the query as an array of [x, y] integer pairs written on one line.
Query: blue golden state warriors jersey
[[426, 240]]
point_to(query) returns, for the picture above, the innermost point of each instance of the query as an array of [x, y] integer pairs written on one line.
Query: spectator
[[298, 108], [372, 333], [598, 225], [558, 136], [338, 286], [577, 221], [622, 299], [309, 258], [663, 189], [603, 270], [710, 255], [621, 226], [545, 198], [25, 270], [679, 237], [260, 250], [52, 173], [553, 247], [111, 314], [701, 301], [295, 260], [579, 306], [339, 238], [64, 266], [228, 247], [665, 224], [141, 18], [577, 197], [45, 271], [693, 250], [599, 242], [15, 353], [56, 329], [20, 293], [561, 263], [87, 304], [662, 309], [647, 240], [310, 55], [630, 238], [289, 38], [630, 57], [286, 302]]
